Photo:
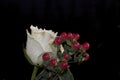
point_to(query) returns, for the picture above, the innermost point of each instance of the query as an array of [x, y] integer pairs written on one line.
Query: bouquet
[[53, 53]]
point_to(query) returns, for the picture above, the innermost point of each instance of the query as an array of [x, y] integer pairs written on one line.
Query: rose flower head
[[39, 42]]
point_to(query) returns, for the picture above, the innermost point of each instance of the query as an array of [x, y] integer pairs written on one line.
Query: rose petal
[[34, 50]]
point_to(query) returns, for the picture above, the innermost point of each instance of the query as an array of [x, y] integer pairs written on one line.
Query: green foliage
[[47, 75], [67, 75]]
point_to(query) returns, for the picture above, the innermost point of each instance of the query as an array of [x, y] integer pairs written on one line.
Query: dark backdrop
[[97, 21]]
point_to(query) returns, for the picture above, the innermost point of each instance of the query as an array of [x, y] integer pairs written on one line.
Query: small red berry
[[58, 40], [86, 56], [53, 62], [76, 36], [81, 47], [63, 65], [70, 36], [46, 56], [65, 56], [76, 45], [63, 35], [86, 45]]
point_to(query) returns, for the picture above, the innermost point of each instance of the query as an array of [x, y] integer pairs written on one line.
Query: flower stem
[[35, 70]]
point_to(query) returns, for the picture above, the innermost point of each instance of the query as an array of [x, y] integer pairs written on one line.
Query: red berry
[[53, 62], [63, 35], [76, 36], [58, 40], [76, 45], [65, 56], [81, 47], [70, 36], [63, 65], [86, 45], [86, 56], [46, 56]]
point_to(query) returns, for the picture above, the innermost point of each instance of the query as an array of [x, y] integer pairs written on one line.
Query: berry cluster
[[72, 52]]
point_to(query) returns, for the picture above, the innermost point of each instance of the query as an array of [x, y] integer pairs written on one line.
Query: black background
[[97, 21]]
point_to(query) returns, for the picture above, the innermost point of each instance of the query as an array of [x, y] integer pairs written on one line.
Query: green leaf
[[82, 51], [67, 75], [69, 43], [76, 59], [70, 53], [74, 40], [59, 54], [80, 59], [66, 46], [43, 75]]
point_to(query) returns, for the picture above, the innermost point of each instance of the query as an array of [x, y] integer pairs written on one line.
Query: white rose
[[39, 42]]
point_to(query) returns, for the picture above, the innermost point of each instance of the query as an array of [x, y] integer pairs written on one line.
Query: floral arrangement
[[54, 53]]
